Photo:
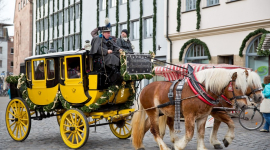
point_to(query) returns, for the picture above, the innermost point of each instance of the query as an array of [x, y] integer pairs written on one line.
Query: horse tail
[[162, 125], [138, 125]]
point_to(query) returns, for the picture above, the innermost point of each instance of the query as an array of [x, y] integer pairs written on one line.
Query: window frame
[[111, 3], [27, 77], [145, 28], [11, 50], [187, 4], [64, 63], [214, 3], [194, 57], [33, 68], [47, 68], [132, 29], [66, 67]]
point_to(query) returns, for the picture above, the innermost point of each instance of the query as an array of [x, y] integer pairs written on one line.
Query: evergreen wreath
[[154, 25], [259, 50], [198, 10], [81, 24], [68, 23], [250, 35], [141, 35], [97, 13], [107, 8], [57, 24], [196, 41], [128, 17], [178, 16], [43, 38], [117, 18], [53, 21]]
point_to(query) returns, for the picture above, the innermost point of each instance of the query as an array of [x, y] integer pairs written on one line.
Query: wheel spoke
[[17, 130], [127, 128], [75, 119], [80, 136], [68, 121], [76, 135], [66, 125], [80, 126], [80, 130], [73, 138], [120, 130], [14, 129], [116, 128], [24, 124], [16, 107], [69, 135], [12, 124], [127, 123], [22, 129], [124, 130], [12, 108], [66, 131], [71, 118], [11, 114], [79, 121], [11, 119]]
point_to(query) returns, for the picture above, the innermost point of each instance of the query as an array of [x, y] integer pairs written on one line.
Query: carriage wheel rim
[[123, 131], [18, 121], [74, 128]]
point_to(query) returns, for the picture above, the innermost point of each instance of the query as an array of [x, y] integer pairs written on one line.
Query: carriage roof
[[57, 54], [172, 72]]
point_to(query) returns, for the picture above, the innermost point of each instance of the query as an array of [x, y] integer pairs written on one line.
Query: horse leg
[[200, 133], [213, 137], [189, 125], [162, 125], [170, 123], [154, 129], [230, 133]]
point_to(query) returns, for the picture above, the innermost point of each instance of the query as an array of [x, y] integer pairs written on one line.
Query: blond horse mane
[[254, 79], [216, 79]]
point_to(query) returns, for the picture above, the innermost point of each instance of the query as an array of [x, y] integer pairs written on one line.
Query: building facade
[[23, 33], [3, 49], [10, 52], [216, 35]]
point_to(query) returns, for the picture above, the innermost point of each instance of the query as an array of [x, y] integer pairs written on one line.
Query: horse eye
[[236, 87]]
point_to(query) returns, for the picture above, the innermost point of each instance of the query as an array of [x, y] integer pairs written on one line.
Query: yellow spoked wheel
[[18, 119], [74, 128], [122, 128]]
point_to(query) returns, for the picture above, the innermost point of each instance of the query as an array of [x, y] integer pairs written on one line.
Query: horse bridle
[[254, 90], [235, 97]]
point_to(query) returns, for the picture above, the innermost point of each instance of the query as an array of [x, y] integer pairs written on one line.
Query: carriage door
[[73, 90], [38, 94]]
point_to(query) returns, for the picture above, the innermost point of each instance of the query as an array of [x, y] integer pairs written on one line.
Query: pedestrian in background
[[265, 105]]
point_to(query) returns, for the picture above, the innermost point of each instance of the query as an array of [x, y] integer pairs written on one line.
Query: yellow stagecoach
[[75, 87]]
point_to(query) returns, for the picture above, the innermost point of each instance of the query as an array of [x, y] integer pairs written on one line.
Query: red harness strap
[[195, 92], [226, 99], [203, 89]]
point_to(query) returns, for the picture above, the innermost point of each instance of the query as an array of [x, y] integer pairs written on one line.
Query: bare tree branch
[[2, 9]]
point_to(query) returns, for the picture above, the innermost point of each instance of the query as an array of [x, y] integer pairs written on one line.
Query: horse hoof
[[141, 149], [218, 146], [226, 143]]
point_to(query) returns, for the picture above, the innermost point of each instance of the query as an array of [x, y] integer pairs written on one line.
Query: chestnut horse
[[254, 90], [216, 81]]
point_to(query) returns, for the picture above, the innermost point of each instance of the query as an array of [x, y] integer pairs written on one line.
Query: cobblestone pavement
[[45, 135]]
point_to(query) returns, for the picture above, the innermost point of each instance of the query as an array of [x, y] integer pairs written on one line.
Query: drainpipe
[[31, 2], [167, 33]]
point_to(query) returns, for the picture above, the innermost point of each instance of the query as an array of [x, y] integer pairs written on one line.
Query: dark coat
[[94, 33], [101, 48], [125, 45]]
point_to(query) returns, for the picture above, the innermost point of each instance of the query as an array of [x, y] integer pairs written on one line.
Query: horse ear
[[234, 76], [246, 72]]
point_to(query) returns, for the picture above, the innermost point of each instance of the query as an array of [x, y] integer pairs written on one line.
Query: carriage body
[[75, 85]]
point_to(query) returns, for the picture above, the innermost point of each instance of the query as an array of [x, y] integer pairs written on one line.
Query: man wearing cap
[[124, 42], [105, 47]]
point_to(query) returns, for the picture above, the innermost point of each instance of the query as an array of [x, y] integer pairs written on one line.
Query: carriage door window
[[29, 71], [39, 70], [73, 67], [50, 69], [88, 64], [62, 69]]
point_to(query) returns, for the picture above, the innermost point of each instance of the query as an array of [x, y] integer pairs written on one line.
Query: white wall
[[3, 56]]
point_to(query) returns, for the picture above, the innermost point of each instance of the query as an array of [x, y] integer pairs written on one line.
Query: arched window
[[254, 61], [196, 54]]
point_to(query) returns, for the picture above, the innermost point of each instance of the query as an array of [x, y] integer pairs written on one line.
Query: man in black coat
[[124, 42], [106, 48]]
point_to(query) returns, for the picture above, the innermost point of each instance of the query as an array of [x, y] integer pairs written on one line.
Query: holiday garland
[[178, 16], [74, 28], [154, 25], [198, 10], [196, 41], [57, 24], [141, 13], [117, 18], [36, 27], [80, 24], [48, 25], [43, 21], [107, 8], [68, 23], [259, 50], [128, 17], [63, 25], [250, 35], [97, 13], [53, 21]]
